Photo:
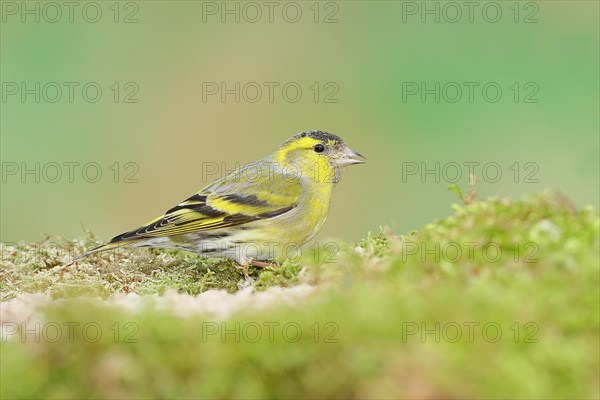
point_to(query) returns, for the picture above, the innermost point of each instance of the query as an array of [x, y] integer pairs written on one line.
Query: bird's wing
[[237, 198]]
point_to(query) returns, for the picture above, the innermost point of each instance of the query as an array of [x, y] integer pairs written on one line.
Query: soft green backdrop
[[372, 49]]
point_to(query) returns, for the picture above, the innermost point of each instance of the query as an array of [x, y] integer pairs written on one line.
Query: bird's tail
[[113, 244]]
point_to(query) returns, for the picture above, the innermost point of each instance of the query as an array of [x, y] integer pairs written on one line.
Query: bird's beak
[[349, 157]]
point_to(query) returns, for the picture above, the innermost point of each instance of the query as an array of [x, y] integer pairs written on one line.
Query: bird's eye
[[319, 148]]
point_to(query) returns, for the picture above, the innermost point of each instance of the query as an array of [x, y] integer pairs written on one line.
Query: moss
[[284, 275], [375, 245], [484, 237], [383, 322], [39, 267]]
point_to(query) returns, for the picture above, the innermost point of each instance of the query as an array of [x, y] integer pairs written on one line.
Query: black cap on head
[[320, 135]]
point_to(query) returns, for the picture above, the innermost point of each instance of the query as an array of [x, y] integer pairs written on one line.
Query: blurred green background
[[367, 52]]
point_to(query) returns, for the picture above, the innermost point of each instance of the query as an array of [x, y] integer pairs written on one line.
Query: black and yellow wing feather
[[236, 199]]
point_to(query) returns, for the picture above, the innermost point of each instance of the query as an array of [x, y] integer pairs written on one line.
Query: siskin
[[261, 211]]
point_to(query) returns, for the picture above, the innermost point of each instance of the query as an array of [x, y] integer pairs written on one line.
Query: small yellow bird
[[264, 210]]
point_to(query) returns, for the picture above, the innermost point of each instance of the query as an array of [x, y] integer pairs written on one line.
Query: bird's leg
[[263, 264]]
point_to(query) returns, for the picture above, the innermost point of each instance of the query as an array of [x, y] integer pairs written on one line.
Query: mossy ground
[[500, 300]]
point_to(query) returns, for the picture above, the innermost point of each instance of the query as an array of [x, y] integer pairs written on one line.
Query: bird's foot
[[245, 266]]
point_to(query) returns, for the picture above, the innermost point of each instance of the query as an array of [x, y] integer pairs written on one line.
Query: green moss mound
[[500, 300]]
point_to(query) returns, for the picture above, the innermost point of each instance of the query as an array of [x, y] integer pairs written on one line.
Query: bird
[[262, 211]]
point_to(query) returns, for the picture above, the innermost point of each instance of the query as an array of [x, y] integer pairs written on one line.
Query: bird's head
[[317, 154]]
